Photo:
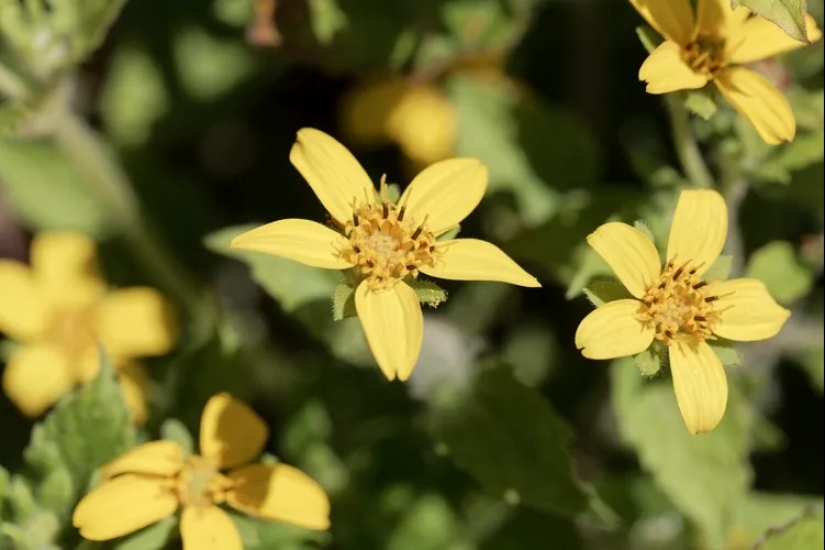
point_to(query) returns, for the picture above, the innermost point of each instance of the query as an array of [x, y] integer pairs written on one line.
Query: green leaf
[[291, 283], [48, 191], [806, 534], [175, 430], [208, 66], [776, 265], [806, 149], [701, 104], [343, 302], [153, 537], [510, 439], [812, 361], [704, 476], [429, 523], [327, 19], [726, 351], [429, 292], [721, 268], [789, 15], [649, 362], [649, 38], [85, 430], [603, 289], [759, 512]]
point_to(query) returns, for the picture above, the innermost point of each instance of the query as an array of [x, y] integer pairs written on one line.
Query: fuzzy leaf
[[789, 15], [429, 293]]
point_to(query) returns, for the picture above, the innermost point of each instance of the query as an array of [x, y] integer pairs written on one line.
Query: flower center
[[385, 245], [679, 306], [200, 483], [73, 330], [705, 54]]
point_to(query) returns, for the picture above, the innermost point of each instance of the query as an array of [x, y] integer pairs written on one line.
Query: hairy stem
[[690, 157]]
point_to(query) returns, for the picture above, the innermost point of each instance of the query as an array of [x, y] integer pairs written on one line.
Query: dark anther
[[357, 250], [401, 213], [692, 271], [699, 285], [662, 285], [669, 334], [700, 318], [410, 267], [355, 219], [385, 210], [710, 299], [370, 263], [678, 273], [416, 233]]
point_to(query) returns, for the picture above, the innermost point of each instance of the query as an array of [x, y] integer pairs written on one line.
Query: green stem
[[108, 180], [687, 149]]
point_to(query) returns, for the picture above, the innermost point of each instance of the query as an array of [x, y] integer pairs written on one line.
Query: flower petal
[[700, 384], [231, 433], [665, 71], [424, 123], [66, 266], [135, 384], [612, 331], [122, 506], [475, 260], [279, 493], [673, 19], [302, 241], [36, 377], [716, 18], [445, 193], [208, 528], [760, 102], [157, 458], [760, 39], [699, 229], [136, 322], [333, 173], [630, 254], [24, 311], [394, 326], [366, 109], [747, 312]]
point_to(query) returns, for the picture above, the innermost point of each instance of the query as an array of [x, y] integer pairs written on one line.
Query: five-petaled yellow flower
[[386, 244], [150, 482], [675, 305], [60, 309], [713, 46]]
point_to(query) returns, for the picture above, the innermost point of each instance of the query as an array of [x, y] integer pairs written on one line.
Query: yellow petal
[[36, 377], [66, 266], [23, 309], [135, 385], [665, 71], [760, 39], [365, 110], [208, 528], [394, 327], [136, 322], [122, 506], [612, 331], [231, 433], [157, 458], [424, 123], [756, 99], [333, 173], [699, 229], [630, 254], [673, 19], [445, 193], [475, 260], [302, 241], [716, 18], [748, 312], [279, 493], [700, 384]]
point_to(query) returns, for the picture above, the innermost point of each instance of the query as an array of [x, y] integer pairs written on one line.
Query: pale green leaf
[[429, 523], [153, 537], [701, 104], [776, 265], [806, 149], [726, 351], [603, 289], [327, 19], [429, 292], [510, 439], [704, 476], [806, 534], [209, 66], [721, 268], [649, 362], [343, 302], [174, 430], [649, 38], [789, 15]]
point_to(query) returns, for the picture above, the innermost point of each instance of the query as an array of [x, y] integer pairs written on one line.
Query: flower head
[[59, 309], [384, 244], [677, 306], [150, 482], [712, 46]]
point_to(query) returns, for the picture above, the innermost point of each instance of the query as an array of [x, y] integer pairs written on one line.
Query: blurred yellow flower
[[419, 118], [150, 483], [713, 46], [60, 309], [675, 305], [386, 244]]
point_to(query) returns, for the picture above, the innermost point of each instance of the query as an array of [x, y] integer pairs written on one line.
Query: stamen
[[401, 213], [385, 210], [710, 299], [700, 284]]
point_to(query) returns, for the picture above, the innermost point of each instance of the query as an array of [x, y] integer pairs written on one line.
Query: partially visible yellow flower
[[712, 47], [60, 309], [677, 306], [150, 482], [418, 117], [385, 245]]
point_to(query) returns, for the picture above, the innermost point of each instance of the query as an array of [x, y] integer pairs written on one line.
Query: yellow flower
[[59, 310], [385, 244], [713, 46], [675, 305], [150, 482], [417, 117]]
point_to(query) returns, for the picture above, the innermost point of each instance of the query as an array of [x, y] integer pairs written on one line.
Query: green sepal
[[649, 362], [604, 289], [173, 429], [343, 302], [429, 293]]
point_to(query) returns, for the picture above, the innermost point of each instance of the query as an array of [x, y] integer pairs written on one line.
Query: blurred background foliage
[[162, 129]]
